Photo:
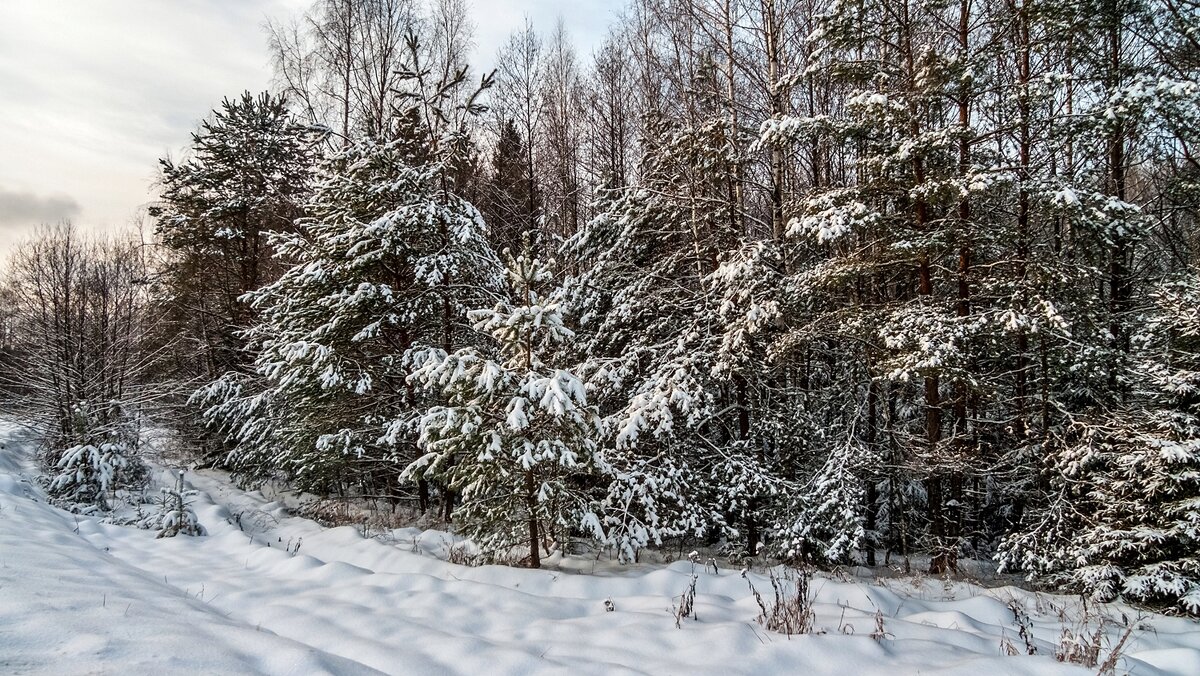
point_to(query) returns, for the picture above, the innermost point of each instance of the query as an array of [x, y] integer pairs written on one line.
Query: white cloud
[[95, 91]]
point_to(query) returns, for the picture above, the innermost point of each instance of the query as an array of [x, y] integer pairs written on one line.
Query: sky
[[93, 92]]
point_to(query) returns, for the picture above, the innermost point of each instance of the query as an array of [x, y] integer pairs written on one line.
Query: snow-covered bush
[[88, 472], [827, 525], [648, 499]]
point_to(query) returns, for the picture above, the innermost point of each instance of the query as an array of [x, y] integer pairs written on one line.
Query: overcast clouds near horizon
[[93, 92]]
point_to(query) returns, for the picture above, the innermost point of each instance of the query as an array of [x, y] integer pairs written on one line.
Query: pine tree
[[248, 173], [677, 409], [367, 285], [506, 206]]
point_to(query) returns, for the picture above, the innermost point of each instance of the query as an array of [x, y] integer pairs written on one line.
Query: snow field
[[283, 595]]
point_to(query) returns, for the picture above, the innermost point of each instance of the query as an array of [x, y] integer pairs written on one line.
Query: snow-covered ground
[[270, 593]]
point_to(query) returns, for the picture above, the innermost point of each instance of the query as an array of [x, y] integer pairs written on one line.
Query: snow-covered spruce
[[103, 459], [388, 258], [516, 436]]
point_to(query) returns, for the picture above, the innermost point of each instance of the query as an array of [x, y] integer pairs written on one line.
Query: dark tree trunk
[[535, 556]]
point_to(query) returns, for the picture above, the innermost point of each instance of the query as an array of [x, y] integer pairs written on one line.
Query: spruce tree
[[390, 257], [516, 438]]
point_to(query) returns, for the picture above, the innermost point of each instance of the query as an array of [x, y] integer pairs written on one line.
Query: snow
[[267, 592]]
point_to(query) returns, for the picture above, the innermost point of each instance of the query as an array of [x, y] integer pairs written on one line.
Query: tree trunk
[[535, 556]]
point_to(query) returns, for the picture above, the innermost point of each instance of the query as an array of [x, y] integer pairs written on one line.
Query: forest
[[813, 281]]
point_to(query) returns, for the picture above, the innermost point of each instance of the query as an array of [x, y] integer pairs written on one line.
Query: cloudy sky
[[93, 92]]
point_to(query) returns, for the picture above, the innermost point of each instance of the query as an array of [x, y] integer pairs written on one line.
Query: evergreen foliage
[[516, 437], [103, 459], [248, 171]]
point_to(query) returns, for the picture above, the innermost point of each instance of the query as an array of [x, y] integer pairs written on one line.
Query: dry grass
[[790, 611], [687, 600], [365, 516]]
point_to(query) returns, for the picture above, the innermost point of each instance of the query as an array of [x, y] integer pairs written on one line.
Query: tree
[[517, 436], [506, 203], [1114, 512], [562, 99], [517, 99], [610, 122], [1123, 517], [248, 174], [338, 62], [390, 257], [677, 405]]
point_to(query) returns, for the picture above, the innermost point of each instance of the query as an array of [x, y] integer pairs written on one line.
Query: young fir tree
[[175, 515], [516, 438], [104, 457]]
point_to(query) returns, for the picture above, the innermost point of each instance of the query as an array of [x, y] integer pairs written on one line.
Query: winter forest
[[813, 282]]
